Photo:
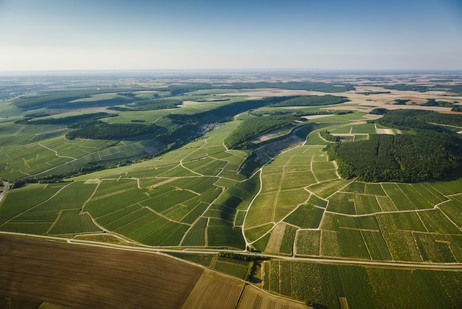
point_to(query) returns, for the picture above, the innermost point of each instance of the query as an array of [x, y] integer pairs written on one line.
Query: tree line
[[313, 100], [147, 105], [67, 121], [103, 130]]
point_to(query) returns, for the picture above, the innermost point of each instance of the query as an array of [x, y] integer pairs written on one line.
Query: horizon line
[[247, 70]]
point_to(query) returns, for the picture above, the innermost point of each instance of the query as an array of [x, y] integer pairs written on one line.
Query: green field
[[364, 287], [275, 194]]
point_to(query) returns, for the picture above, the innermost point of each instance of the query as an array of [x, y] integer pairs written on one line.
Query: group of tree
[[456, 108], [403, 158], [305, 85], [225, 112], [63, 100], [426, 152], [401, 101], [329, 137], [147, 105], [254, 260], [434, 102], [253, 127], [103, 130], [379, 111], [373, 92], [313, 100], [66, 121], [418, 119], [457, 88], [180, 89]]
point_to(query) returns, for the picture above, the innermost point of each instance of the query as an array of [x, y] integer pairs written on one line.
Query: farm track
[[55, 152], [321, 260], [6, 187], [39, 204]]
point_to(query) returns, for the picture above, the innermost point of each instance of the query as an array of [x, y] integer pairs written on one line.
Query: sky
[[239, 34]]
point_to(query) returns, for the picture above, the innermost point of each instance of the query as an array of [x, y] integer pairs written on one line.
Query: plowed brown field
[[91, 277]]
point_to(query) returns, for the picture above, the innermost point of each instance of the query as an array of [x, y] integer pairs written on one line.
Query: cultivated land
[[164, 178], [54, 272]]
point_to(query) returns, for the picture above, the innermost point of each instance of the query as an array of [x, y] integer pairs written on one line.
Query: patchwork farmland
[[264, 217]]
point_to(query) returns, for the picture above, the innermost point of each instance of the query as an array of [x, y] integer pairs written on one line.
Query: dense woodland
[[403, 158], [427, 152], [418, 119], [253, 127]]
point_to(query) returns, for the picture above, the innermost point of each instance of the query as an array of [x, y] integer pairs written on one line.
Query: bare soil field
[[33, 272], [387, 99], [254, 298], [316, 116], [215, 291], [384, 131], [274, 243], [273, 92], [363, 101], [90, 277], [164, 182]]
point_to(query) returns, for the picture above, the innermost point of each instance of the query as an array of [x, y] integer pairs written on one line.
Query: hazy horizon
[[52, 35]]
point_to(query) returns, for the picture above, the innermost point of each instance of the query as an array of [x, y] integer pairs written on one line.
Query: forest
[[418, 119], [402, 158], [427, 152]]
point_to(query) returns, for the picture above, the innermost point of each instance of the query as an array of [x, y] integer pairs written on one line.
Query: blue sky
[[201, 34]]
